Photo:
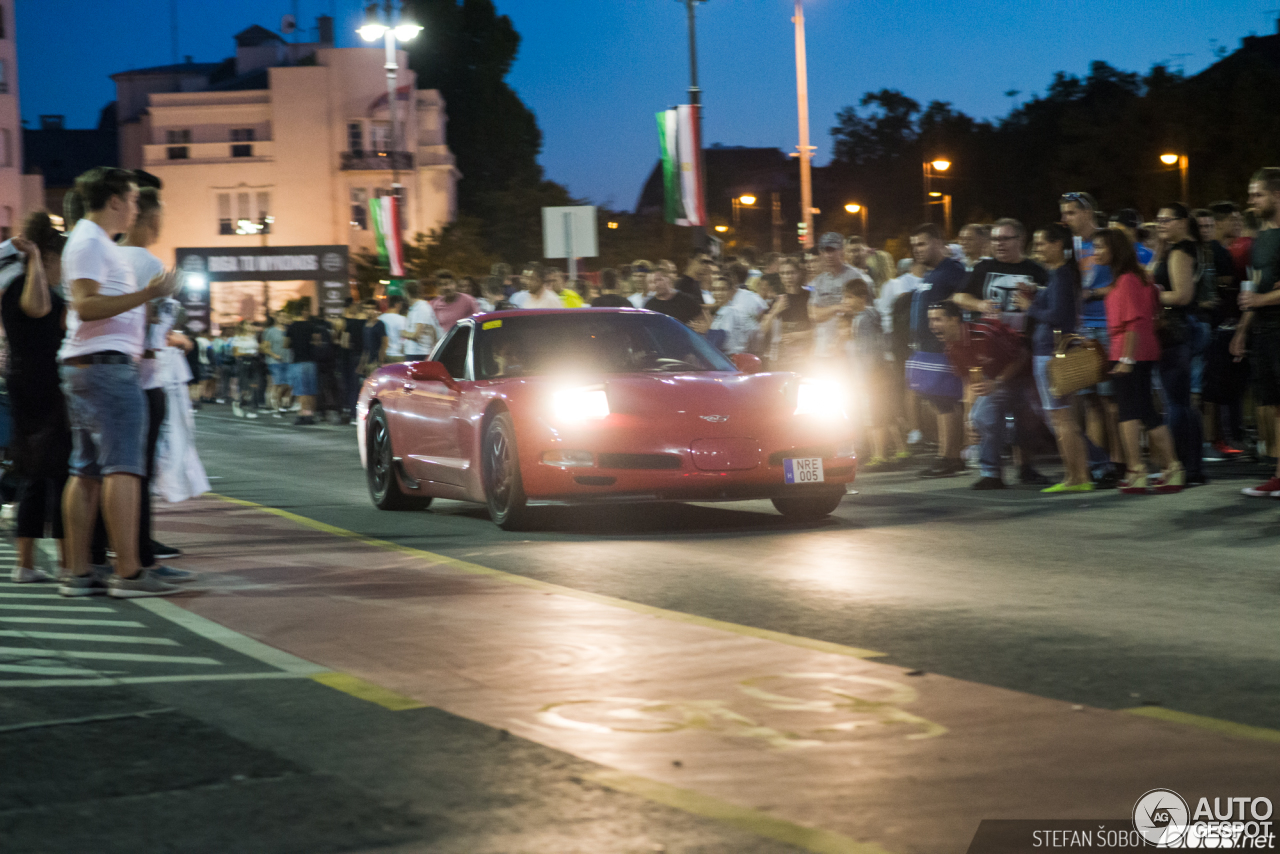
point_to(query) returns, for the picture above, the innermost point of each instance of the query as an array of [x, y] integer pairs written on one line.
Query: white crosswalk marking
[[51, 594], [69, 621], [75, 636], [41, 670], [38, 652], [57, 608]]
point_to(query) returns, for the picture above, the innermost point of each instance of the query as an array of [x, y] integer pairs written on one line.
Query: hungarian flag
[[385, 213], [682, 166]]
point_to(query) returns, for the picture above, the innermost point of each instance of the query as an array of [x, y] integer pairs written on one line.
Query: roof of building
[[200, 68], [256, 79], [256, 35]]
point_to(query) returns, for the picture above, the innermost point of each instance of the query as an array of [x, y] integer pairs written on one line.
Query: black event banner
[[265, 263]]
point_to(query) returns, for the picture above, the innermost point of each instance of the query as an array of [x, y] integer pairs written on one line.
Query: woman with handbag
[[34, 316], [1175, 273], [1132, 309], [1054, 310]]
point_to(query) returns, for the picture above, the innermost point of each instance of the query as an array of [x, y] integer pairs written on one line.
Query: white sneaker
[[237, 411], [144, 584], [915, 437], [27, 575], [251, 415]]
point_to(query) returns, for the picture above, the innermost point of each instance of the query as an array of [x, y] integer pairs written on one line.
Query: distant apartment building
[[19, 193], [284, 144]]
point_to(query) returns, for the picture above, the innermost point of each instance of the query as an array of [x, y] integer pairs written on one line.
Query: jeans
[[1184, 422], [1199, 334], [108, 413], [988, 416], [157, 406]]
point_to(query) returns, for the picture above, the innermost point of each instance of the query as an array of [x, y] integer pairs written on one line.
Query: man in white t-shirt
[[826, 305], [106, 337], [421, 326], [536, 293], [392, 321]]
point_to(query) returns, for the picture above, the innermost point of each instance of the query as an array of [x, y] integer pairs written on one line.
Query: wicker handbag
[[1078, 363]]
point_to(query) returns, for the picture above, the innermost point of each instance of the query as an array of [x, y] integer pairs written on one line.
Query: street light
[[739, 202], [804, 150], [404, 29], [855, 208], [747, 199], [722, 228], [1183, 162], [940, 164], [936, 198]]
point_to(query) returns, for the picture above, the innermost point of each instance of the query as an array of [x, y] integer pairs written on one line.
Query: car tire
[[810, 507], [380, 471], [500, 468]]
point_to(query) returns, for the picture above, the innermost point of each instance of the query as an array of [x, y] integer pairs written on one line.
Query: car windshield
[[600, 342]]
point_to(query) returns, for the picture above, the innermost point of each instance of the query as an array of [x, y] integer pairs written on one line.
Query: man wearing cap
[[826, 305], [1078, 211]]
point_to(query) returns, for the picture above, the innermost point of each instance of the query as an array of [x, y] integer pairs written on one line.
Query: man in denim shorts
[[106, 328], [1078, 214]]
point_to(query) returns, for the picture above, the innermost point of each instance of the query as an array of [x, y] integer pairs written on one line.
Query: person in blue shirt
[[929, 374], [1078, 212]]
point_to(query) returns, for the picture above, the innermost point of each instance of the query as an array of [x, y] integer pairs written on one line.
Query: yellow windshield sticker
[[492, 324]]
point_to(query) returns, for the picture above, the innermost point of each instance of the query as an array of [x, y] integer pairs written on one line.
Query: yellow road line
[[547, 587], [363, 690], [753, 821], [1217, 725]]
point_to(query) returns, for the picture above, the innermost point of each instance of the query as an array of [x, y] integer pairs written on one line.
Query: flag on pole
[[385, 213], [682, 166]]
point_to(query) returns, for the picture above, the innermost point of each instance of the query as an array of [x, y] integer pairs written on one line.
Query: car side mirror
[[432, 372], [747, 363]]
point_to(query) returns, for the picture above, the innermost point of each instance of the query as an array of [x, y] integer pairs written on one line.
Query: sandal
[[1134, 483], [1171, 480]]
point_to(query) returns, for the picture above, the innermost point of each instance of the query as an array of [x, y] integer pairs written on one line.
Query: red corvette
[[519, 409]]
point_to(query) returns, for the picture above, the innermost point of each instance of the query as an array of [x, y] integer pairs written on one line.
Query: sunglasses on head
[[1079, 198]]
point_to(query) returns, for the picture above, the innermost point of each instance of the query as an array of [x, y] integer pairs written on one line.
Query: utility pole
[[805, 150], [695, 99]]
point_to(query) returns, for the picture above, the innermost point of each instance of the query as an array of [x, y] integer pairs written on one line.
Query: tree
[[466, 50], [458, 247]]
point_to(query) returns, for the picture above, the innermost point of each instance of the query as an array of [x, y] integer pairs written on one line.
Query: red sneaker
[[1270, 489], [1226, 450]]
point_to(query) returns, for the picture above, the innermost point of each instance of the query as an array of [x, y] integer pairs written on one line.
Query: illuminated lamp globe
[[852, 208], [941, 165], [1168, 159], [747, 199]]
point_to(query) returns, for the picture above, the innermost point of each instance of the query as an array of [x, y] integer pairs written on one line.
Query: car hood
[[712, 397]]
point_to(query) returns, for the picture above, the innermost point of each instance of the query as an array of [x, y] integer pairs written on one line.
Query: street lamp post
[[804, 150], [695, 99], [405, 29], [855, 208], [1183, 163], [746, 200], [936, 198], [931, 167]]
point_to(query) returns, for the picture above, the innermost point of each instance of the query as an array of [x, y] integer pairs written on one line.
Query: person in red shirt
[[450, 305], [994, 359], [1132, 308]]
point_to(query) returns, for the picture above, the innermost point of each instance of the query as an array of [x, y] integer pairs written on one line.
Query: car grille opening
[[645, 462], [823, 452]]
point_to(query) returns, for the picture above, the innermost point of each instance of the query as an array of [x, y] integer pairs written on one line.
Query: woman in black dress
[[34, 316]]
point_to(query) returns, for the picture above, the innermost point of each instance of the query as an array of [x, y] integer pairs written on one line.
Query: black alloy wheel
[[503, 490], [384, 486]]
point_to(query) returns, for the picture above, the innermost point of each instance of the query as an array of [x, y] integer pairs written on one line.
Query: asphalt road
[[1107, 600]]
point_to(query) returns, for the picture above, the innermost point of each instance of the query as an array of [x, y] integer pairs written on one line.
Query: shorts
[[302, 376], [1133, 396], [1099, 334], [279, 372], [1264, 357], [108, 413], [1040, 366]]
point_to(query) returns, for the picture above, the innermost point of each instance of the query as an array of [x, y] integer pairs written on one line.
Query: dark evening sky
[[595, 71]]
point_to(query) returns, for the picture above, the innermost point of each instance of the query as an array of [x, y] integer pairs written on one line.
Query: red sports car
[[520, 409]]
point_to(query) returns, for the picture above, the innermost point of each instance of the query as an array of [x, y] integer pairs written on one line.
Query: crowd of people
[[952, 346]]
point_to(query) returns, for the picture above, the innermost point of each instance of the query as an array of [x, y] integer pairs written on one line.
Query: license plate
[[806, 470]]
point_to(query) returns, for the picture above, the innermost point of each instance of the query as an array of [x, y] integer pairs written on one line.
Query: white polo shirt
[[90, 254]]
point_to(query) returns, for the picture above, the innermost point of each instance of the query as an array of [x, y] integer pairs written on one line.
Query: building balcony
[[372, 161], [209, 152]]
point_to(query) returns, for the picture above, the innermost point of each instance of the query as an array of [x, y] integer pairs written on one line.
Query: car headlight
[[580, 404], [824, 399]]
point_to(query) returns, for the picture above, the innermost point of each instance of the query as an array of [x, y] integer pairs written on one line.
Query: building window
[[6, 222], [180, 136], [379, 138], [4, 79], [178, 152], [1, 22], [6, 147], [264, 213], [242, 134], [360, 208], [355, 138], [242, 150], [225, 225]]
